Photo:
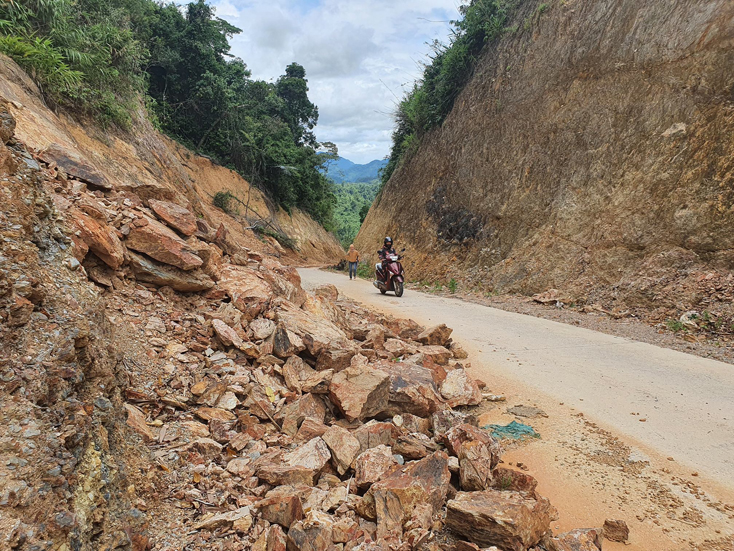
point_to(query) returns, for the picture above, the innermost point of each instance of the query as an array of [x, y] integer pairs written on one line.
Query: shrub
[[452, 285]]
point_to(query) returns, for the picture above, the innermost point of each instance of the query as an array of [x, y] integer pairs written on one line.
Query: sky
[[360, 57]]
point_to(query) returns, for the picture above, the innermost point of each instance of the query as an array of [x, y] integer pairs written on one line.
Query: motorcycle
[[391, 277]]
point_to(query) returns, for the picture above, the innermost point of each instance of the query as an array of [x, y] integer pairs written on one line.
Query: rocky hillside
[[147, 165], [592, 152], [164, 385]]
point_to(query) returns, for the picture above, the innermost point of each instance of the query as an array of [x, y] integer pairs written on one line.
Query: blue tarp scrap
[[514, 431]]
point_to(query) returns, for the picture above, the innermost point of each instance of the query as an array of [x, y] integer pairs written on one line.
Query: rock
[[327, 291], [262, 328], [344, 448], [459, 434], [412, 423], [292, 415], [589, 539], [360, 393], [100, 238], [136, 421], [224, 519], [478, 453], [406, 329], [163, 275], [313, 533], [313, 455], [285, 475], [295, 373], [395, 497], [310, 428], [436, 335], [336, 359], [152, 238], [616, 530], [414, 446], [344, 530], [74, 165], [372, 465], [20, 311], [283, 345], [529, 412], [443, 421], [398, 348], [509, 520], [174, 215], [247, 289], [460, 390], [437, 354], [276, 540], [240, 466], [7, 124], [209, 414], [281, 509], [458, 352], [376, 433], [508, 479], [412, 390], [318, 334], [226, 334], [319, 382]]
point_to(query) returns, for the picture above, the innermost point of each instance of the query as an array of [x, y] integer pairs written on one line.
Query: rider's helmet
[[388, 242]]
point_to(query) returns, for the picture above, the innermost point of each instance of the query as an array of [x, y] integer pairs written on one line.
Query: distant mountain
[[343, 170]]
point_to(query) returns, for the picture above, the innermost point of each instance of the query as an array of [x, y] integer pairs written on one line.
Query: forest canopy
[[106, 58]]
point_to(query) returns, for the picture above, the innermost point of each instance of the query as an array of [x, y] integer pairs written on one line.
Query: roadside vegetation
[[353, 201], [445, 75], [116, 60]]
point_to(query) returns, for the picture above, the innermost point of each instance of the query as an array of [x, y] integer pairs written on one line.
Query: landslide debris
[[143, 411]]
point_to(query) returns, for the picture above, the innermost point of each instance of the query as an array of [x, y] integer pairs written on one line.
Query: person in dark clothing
[[387, 249]]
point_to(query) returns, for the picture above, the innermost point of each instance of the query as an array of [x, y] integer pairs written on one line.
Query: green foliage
[[223, 200], [105, 58], [284, 240], [365, 270], [353, 200], [453, 285], [675, 325], [444, 77]]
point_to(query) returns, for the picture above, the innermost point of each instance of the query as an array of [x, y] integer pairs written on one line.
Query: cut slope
[[591, 152]]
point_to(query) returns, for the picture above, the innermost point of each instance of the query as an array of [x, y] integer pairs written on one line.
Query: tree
[[300, 114]]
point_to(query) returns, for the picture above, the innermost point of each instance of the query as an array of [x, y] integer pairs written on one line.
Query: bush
[[222, 200]]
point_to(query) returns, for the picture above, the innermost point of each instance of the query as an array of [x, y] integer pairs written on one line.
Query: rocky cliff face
[[591, 152]]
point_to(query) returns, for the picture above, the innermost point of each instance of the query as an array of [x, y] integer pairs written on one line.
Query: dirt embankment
[[150, 165], [592, 153]]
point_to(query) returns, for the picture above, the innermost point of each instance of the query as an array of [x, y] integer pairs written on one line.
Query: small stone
[[616, 530]]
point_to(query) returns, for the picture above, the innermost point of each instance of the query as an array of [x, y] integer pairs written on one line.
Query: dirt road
[[663, 416]]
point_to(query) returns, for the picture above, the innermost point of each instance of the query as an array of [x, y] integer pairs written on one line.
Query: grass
[[452, 285], [675, 325]]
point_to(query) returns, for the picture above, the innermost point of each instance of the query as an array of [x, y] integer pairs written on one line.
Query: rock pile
[[273, 418]]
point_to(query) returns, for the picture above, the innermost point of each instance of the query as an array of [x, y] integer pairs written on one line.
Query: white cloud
[[358, 55]]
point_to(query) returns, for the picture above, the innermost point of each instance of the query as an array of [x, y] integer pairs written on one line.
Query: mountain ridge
[[343, 170]]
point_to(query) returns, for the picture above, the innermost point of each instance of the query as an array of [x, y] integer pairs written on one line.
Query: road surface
[[679, 405]]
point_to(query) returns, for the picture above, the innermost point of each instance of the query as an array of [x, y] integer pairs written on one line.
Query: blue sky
[[360, 56]]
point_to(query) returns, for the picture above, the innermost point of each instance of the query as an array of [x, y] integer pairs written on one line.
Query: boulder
[[276, 539], [310, 428], [280, 509], [220, 520], [344, 447], [616, 530], [293, 415], [372, 465], [313, 455], [435, 353], [360, 393], [412, 423], [283, 345], [436, 335], [261, 328], [414, 446], [508, 479], [152, 238], [510, 520], [336, 359], [154, 272], [226, 334], [318, 334], [74, 165], [174, 215], [458, 389], [313, 533], [319, 382], [443, 421], [286, 475], [394, 498], [100, 238], [585, 539], [460, 434], [247, 289], [295, 373], [412, 390], [398, 348], [376, 433], [406, 329]]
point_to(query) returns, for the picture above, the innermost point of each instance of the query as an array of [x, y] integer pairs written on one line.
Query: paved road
[[687, 401]]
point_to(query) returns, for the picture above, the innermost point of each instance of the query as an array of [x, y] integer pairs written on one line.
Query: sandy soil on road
[[597, 458]]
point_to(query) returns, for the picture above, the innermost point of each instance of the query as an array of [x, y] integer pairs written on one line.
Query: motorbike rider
[[387, 249]]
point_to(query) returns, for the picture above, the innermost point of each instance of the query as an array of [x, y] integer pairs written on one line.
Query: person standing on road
[[353, 259]]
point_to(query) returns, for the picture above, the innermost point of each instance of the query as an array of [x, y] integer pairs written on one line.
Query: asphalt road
[[686, 402]]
